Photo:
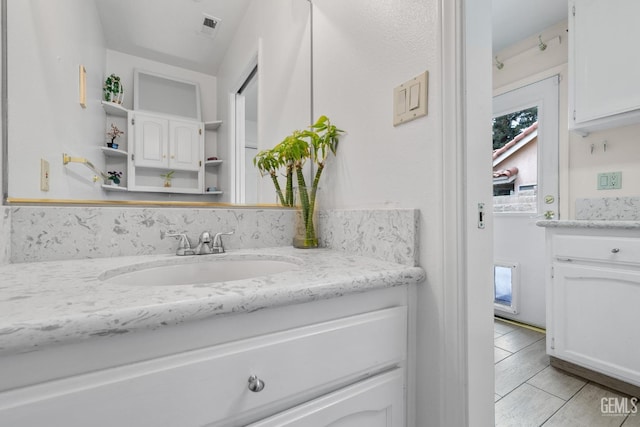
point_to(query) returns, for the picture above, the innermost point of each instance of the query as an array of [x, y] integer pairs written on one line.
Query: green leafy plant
[[115, 176], [112, 88], [292, 153], [167, 178]]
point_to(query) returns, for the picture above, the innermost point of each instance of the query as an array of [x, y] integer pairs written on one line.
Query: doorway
[[525, 189]]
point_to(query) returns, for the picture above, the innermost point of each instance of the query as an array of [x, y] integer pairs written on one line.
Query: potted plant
[[114, 177], [291, 154], [113, 90], [113, 134], [167, 178]]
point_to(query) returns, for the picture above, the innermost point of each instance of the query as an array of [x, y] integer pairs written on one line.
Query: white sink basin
[[197, 270]]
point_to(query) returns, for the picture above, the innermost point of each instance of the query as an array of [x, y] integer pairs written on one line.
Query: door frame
[[236, 129], [467, 375]]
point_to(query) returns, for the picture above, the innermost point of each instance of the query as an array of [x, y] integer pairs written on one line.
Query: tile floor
[[529, 392]]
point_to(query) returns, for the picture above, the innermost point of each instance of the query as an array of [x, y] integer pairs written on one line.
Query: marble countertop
[[580, 223], [51, 303]]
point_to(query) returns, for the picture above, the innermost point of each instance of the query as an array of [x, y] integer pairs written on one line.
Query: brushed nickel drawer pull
[[615, 250]]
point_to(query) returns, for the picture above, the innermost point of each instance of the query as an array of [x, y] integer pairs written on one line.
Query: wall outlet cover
[[610, 181]]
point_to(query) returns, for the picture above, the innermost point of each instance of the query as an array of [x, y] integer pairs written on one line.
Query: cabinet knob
[[615, 250], [173, 157], [255, 384]]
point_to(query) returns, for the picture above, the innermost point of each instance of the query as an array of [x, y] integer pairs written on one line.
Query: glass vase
[[306, 219]]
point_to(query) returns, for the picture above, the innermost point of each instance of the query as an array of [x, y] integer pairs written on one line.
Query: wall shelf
[[214, 192], [112, 152], [213, 125], [212, 163], [109, 187], [114, 109]]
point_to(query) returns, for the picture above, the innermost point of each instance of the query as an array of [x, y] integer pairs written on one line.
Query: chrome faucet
[[204, 244], [184, 246]]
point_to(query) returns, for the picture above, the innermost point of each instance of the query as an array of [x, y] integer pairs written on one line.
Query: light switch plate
[[44, 175], [410, 99], [610, 181]]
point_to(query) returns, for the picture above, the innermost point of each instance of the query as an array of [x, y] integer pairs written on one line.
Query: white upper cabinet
[[185, 148], [604, 64], [150, 141], [165, 145]]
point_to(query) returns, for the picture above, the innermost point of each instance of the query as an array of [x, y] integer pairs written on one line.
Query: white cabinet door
[[594, 313], [376, 402], [185, 145], [603, 65], [150, 141]]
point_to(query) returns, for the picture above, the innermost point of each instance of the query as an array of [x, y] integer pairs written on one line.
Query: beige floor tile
[[633, 420], [499, 354], [526, 406], [556, 382], [584, 409], [503, 327], [519, 367], [518, 339]]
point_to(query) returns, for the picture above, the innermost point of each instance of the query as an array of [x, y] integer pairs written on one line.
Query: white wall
[[45, 117], [362, 50], [525, 64], [282, 46]]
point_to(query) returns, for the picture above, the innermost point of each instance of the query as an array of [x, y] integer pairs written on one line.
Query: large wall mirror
[[250, 59]]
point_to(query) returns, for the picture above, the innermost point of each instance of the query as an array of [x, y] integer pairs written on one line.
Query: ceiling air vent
[[210, 25]]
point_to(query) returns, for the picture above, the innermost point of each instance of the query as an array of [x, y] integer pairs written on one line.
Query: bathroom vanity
[[323, 342], [593, 295]]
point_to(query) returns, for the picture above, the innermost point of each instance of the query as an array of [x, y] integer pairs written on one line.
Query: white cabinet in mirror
[[165, 154]]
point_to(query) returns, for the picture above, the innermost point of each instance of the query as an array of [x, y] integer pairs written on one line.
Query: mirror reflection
[[248, 60]]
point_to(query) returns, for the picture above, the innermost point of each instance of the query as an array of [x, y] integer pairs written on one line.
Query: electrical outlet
[[44, 175], [610, 181]]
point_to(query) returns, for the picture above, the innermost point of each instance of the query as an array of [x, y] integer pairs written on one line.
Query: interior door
[[525, 190]]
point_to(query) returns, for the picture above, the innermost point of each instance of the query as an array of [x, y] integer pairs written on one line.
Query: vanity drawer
[[607, 249], [210, 386]]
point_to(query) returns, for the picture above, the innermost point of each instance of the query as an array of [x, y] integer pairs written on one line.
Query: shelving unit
[[145, 179]]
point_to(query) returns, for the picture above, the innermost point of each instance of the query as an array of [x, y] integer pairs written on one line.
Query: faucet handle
[[218, 247], [184, 246]]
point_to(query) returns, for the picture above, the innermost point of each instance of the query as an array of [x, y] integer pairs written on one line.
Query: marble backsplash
[[5, 235], [55, 233], [37, 233], [387, 234], [608, 209]]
